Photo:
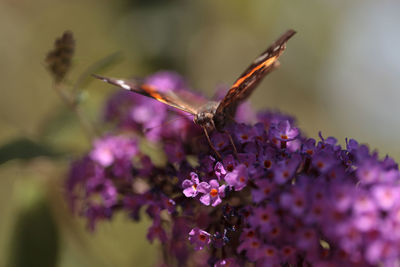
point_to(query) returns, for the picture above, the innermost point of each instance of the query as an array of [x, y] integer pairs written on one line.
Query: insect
[[212, 114]]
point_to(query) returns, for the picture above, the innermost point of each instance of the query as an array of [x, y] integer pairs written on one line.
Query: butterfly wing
[[180, 99], [250, 78]]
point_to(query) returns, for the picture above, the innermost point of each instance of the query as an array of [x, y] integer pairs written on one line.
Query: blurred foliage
[[35, 239], [26, 149], [207, 41]]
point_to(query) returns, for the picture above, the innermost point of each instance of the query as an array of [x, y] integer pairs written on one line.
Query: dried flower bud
[[58, 60]]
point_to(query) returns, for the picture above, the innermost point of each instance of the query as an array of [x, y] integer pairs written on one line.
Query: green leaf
[[35, 238], [24, 148]]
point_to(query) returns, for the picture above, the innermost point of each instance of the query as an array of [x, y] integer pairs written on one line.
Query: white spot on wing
[[261, 58], [276, 48], [123, 84]]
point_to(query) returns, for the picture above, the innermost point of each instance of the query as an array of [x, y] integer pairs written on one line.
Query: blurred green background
[[339, 75]]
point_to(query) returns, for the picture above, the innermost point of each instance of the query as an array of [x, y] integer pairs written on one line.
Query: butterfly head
[[205, 115]]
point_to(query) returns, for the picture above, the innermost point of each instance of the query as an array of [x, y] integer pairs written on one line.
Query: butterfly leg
[[211, 145], [231, 141]]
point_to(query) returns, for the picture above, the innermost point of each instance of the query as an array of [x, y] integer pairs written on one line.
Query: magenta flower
[[244, 133], [212, 193], [190, 186], [289, 200], [283, 131], [199, 238], [156, 231], [265, 190], [166, 81], [268, 256], [237, 178], [228, 262], [110, 149], [220, 141], [252, 247], [386, 196], [174, 152], [264, 217], [219, 170]]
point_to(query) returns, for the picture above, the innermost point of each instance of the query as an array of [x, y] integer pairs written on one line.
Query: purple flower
[[369, 171], [288, 254], [237, 178], [247, 159], [108, 193], [97, 212], [245, 113], [264, 217], [110, 149], [253, 248], [288, 199], [199, 238], [323, 161], [190, 186], [220, 140], [386, 196], [212, 192], [228, 262], [174, 152], [268, 256], [283, 132], [244, 133], [133, 111], [363, 203], [295, 201], [132, 204], [269, 118], [178, 244], [157, 231], [207, 166], [219, 170], [166, 81], [167, 204], [285, 170], [265, 190], [229, 163]]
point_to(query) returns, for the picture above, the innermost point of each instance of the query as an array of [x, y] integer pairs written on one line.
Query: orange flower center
[[202, 237], [270, 252], [214, 192], [229, 167], [265, 217], [267, 164], [285, 174]]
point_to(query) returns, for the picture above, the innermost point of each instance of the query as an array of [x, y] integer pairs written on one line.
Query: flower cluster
[[277, 198]]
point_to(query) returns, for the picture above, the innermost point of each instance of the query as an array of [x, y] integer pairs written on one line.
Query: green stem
[[71, 102]]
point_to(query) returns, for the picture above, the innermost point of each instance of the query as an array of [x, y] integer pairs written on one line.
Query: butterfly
[[213, 114]]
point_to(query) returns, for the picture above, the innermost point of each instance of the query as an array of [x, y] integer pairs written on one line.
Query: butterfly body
[[206, 115], [212, 114]]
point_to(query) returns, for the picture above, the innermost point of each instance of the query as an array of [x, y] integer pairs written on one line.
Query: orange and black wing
[[250, 78], [180, 99]]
